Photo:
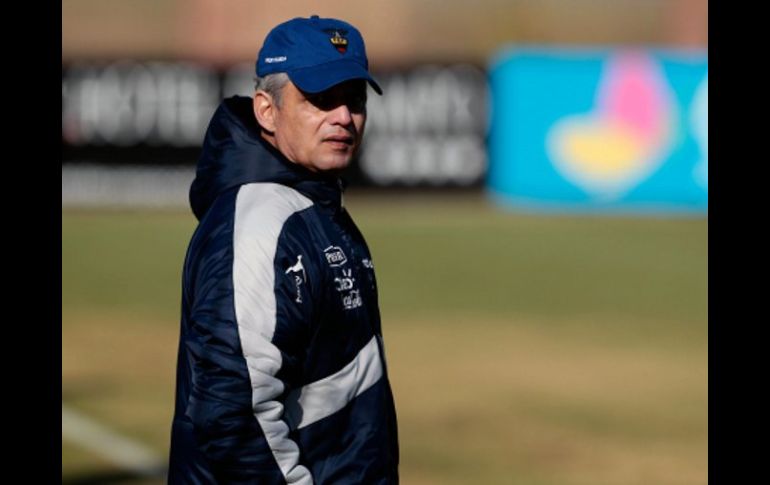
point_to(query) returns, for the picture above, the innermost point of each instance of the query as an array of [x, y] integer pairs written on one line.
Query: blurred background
[[533, 186]]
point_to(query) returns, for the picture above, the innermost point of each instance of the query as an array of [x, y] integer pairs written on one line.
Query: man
[[281, 373]]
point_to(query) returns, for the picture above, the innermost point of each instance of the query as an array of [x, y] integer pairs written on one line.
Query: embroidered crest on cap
[[338, 41]]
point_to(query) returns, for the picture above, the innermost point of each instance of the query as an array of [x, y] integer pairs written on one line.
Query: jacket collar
[[234, 154]]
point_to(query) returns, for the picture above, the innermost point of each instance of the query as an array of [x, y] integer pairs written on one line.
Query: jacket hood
[[234, 154]]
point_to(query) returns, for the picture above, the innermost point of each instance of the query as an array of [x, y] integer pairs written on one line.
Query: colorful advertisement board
[[617, 130]]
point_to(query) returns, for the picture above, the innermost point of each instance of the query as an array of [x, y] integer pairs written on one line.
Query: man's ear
[[264, 110]]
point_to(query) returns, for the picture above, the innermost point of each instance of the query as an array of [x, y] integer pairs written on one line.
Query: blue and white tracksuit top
[[281, 374]]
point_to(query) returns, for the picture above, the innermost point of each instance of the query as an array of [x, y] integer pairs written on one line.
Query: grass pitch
[[522, 349]]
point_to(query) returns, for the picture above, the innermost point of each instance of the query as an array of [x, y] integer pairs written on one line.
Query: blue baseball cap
[[316, 53]]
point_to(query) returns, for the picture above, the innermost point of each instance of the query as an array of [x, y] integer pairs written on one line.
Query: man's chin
[[333, 163]]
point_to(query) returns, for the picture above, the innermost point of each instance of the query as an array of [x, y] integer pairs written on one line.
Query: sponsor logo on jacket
[[335, 256], [298, 269]]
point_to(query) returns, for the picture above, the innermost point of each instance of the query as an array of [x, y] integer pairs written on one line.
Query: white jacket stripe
[[326, 396], [261, 209]]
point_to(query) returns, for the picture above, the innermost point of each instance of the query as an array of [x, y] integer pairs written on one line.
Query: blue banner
[[616, 130]]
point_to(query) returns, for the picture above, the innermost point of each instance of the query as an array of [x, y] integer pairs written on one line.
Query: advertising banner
[[427, 130], [616, 130]]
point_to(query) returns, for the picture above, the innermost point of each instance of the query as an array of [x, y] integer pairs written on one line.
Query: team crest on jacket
[[335, 256]]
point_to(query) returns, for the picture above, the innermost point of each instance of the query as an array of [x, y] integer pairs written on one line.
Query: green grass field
[[522, 349]]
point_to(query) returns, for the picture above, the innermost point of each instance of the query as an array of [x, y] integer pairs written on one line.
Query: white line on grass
[[122, 451]]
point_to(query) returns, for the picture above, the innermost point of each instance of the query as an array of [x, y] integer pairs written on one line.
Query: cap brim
[[319, 78]]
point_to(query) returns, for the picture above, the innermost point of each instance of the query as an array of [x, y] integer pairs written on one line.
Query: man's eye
[[326, 101], [319, 100], [358, 103]]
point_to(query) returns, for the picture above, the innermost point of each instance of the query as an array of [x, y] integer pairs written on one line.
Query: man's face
[[321, 131]]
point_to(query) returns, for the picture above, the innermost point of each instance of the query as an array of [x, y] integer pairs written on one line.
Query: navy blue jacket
[[281, 374]]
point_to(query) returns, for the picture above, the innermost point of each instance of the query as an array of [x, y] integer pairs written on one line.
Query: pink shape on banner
[[633, 95], [626, 137]]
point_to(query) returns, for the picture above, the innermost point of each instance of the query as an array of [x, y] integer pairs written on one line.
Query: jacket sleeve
[[249, 322]]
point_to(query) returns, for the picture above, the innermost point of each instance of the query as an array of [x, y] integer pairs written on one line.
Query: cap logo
[[338, 41]]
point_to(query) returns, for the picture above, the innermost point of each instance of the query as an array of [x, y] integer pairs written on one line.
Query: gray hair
[[272, 84]]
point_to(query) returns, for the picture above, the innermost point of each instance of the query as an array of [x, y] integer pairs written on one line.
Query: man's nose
[[341, 115]]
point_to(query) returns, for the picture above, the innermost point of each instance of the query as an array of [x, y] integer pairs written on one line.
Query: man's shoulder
[[269, 210], [271, 198]]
